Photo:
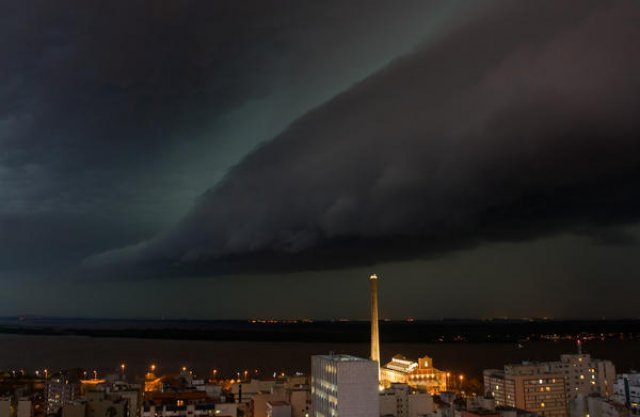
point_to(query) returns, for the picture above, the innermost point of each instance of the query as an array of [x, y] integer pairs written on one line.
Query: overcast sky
[[260, 159]]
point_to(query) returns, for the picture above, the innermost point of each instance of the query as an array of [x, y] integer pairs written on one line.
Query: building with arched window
[[417, 374]]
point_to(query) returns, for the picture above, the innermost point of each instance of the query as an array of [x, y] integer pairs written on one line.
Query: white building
[[400, 400], [344, 386], [294, 391], [626, 390]]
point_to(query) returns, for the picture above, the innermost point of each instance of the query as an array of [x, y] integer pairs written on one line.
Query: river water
[[106, 354]]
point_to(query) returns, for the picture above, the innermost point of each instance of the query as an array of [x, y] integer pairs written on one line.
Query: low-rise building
[[401, 400], [626, 390], [191, 410], [5, 407], [24, 408], [78, 409], [597, 406], [61, 389], [417, 374], [278, 409]]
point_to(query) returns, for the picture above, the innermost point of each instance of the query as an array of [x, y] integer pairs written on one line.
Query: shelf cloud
[[521, 124]]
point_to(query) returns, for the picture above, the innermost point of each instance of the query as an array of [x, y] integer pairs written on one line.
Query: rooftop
[[343, 358]]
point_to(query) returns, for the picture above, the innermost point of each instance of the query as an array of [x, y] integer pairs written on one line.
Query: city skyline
[[262, 160]]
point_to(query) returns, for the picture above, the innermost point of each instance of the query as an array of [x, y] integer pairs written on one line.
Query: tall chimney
[[579, 343], [375, 336]]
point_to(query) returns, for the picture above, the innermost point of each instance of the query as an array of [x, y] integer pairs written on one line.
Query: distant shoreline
[[418, 331]]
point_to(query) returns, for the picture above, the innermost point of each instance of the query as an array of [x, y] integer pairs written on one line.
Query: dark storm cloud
[[522, 124], [88, 84], [99, 99]]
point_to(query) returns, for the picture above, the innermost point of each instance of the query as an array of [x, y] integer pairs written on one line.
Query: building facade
[[62, 389], [420, 374], [278, 409], [579, 375], [584, 375], [344, 386], [531, 387], [626, 390], [400, 400]]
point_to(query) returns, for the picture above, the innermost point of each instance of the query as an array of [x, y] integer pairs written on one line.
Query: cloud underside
[[521, 124]]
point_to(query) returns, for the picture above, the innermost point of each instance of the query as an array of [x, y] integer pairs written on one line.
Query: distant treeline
[[446, 331]]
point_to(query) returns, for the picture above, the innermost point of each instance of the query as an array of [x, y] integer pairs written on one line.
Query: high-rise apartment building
[[344, 386], [584, 375], [579, 374], [531, 387]]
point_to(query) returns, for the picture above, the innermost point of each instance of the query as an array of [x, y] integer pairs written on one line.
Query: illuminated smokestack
[[375, 336]]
